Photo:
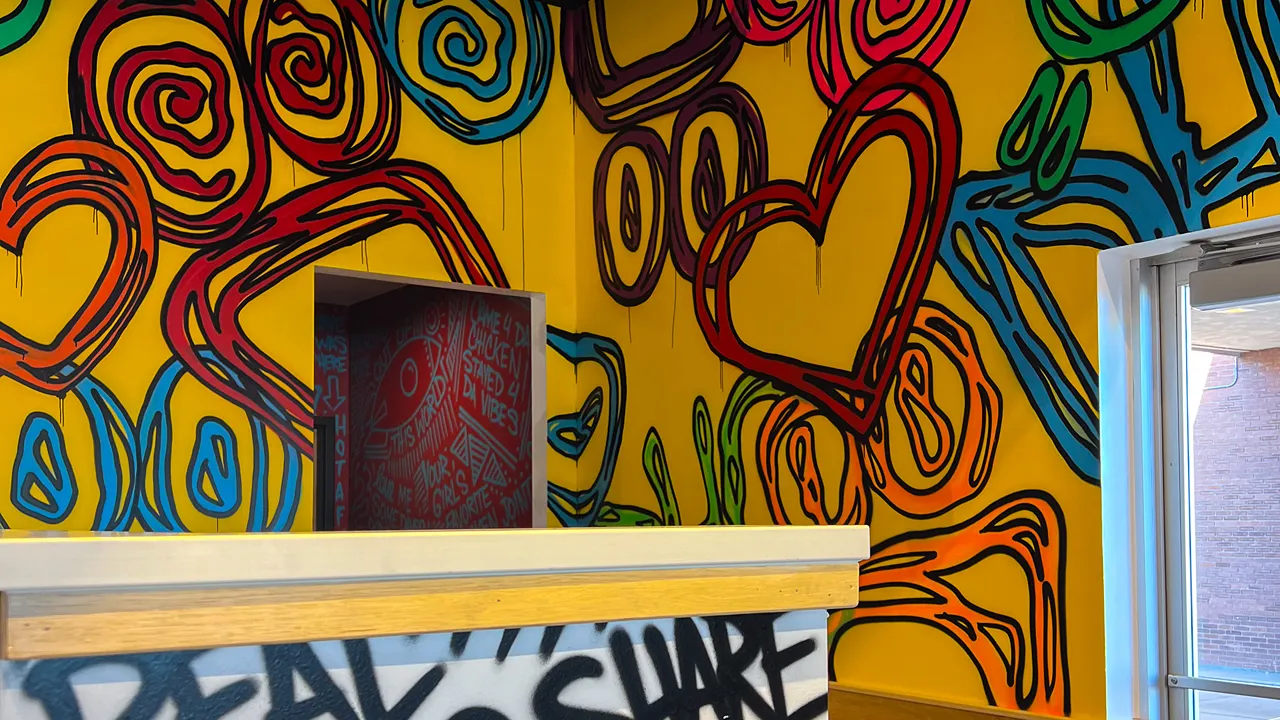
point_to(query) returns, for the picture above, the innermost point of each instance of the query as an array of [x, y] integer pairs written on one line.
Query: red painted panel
[[440, 411]]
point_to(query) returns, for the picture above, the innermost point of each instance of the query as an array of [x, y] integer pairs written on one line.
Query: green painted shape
[[702, 438], [1031, 119], [611, 515], [746, 392], [18, 26], [1059, 154], [655, 468], [1072, 36]]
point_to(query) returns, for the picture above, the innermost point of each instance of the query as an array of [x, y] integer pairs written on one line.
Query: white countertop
[[83, 561]]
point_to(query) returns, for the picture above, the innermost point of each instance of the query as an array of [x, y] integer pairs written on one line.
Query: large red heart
[[851, 397], [112, 184]]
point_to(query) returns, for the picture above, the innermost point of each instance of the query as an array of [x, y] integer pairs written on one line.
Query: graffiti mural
[[764, 666], [332, 398], [204, 158], [441, 403], [975, 321], [812, 262]]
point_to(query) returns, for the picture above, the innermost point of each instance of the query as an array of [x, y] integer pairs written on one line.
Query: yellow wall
[[985, 585], [170, 162], [503, 185]]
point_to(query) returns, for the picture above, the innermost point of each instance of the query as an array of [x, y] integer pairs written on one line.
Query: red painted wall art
[[440, 411], [332, 381]]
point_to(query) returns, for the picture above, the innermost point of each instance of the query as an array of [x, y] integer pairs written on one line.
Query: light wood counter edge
[[845, 702], [37, 625]]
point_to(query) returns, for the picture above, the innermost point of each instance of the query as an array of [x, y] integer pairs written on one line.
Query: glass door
[[1221, 491]]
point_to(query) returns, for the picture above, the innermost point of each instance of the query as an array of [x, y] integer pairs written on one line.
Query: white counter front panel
[[749, 667]]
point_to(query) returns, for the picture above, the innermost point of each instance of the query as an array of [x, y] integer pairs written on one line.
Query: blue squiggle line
[[290, 491], [1204, 178], [584, 505], [464, 48], [995, 220], [113, 435], [1190, 181], [155, 444], [261, 462], [569, 434], [155, 433], [214, 457], [56, 485]]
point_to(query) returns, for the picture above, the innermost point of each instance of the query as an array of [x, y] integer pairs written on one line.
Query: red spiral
[[313, 65], [154, 98]]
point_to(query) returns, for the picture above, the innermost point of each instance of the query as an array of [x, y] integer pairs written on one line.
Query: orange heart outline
[[113, 184]]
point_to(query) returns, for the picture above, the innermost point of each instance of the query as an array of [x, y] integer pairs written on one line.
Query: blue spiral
[[459, 37]]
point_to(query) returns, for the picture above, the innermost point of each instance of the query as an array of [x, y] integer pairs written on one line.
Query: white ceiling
[[1255, 327]]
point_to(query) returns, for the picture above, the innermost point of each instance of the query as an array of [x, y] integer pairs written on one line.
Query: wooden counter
[[75, 595], [279, 603]]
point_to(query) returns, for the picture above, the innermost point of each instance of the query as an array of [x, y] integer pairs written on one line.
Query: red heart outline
[[851, 398], [112, 184]]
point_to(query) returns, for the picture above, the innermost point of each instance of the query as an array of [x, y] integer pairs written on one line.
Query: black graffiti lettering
[[478, 713], [775, 661], [458, 643], [768, 659], [703, 673], [163, 677], [284, 662], [667, 706], [504, 646], [733, 672], [731, 668], [759, 641], [623, 652], [546, 696], [699, 682], [550, 638], [369, 693]]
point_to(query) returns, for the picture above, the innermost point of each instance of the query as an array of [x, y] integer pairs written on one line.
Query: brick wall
[[1236, 446]]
